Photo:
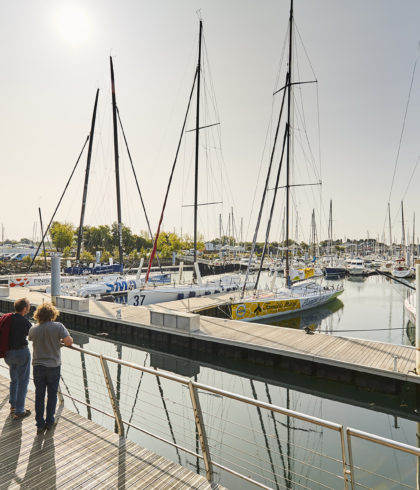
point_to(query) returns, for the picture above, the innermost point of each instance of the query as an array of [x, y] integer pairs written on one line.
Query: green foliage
[[86, 256], [66, 252], [27, 259], [97, 238], [134, 255], [61, 235], [105, 256]]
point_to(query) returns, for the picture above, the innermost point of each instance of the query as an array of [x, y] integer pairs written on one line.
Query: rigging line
[[167, 415], [170, 179], [254, 241], [137, 393], [134, 172], [411, 178], [59, 202], [404, 121], [303, 47], [137, 182], [267, 234], [270, 457], [281, 60], [277, 433]]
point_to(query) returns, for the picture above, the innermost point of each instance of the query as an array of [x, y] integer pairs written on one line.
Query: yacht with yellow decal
[[284, 301], [308, 293]]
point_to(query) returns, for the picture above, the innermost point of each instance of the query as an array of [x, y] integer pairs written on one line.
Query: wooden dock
[[78, 453], [216, 336]]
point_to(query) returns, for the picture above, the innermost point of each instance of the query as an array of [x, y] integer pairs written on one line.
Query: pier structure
[[183, 327], [78, 453]]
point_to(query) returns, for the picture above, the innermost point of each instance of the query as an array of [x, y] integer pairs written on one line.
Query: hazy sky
[[55, 54]]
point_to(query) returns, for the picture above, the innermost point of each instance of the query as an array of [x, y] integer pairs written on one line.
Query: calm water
[[370, 308], [278, 451]]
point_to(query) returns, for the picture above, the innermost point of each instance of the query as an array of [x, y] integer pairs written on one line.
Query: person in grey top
[[48, 336]]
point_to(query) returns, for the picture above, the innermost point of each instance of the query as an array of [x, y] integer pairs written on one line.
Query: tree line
[[104, 238]]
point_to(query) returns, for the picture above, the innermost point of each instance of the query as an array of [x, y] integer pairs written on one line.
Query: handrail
[[194, 387], [383, 441]]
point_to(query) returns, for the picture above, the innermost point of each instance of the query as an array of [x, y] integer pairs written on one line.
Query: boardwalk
[[378, 358], [78, 453]]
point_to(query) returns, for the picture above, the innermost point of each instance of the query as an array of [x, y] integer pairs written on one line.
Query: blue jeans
[[19, 362], [46, 379]]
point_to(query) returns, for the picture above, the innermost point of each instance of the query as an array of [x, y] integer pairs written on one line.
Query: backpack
[[5, 322]]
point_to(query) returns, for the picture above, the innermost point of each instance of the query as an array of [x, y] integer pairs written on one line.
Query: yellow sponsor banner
[[255, 309], [309, 272]]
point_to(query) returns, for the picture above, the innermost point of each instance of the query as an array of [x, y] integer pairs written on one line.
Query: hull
[[268, 307], [410, 308], [401, 273], [150, 296], [357, 271], [335, 271]]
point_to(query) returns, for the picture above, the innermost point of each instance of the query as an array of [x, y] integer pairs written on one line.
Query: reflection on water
[[309, 318], [370, 308], [278, 451], [411, 332]]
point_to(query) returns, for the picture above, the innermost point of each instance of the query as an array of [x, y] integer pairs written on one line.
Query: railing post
[[350, 459], [346, 472], [199, 422], [111, 394]]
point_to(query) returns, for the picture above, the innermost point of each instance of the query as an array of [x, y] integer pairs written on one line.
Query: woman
[[48, 336]]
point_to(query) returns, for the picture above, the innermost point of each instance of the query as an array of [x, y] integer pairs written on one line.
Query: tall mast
[[390, 233], [330, 238], [403, 232], [89, 155], [117, 168], [289, 104], [197, 140]]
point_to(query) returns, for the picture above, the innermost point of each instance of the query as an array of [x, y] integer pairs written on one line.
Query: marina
[[169, 179]]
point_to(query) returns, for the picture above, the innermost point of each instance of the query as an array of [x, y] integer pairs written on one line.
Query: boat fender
[[108, 298], [206, 293], [180, 296]]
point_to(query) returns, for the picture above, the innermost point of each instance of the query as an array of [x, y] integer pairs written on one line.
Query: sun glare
[[72, 23]]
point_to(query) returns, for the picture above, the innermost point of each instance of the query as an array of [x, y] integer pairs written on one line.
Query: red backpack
[[5, 322]]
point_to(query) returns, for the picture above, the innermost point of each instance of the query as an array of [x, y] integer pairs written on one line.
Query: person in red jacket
[[18, 358]]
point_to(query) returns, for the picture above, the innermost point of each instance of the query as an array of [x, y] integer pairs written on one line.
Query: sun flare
[[72, 24]]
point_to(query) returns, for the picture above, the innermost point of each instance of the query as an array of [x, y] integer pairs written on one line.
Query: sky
[[55, 54]]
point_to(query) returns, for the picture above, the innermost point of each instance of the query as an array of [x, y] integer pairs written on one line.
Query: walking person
[[48, 336], [18, 358]]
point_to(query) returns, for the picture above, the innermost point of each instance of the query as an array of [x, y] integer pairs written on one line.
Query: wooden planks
[[355, 354], [78, 453]]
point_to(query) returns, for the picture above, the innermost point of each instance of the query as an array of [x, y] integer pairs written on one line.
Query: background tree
[[62, 235]]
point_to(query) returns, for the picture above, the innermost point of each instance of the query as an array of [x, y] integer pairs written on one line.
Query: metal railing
[[199, 415], [244, 461]]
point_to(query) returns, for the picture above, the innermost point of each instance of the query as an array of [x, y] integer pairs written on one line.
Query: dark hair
[[21, 304], [46, 312]]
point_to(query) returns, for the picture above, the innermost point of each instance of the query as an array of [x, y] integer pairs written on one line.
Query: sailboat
[[400, 269], [158, 294], [292, 298]]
